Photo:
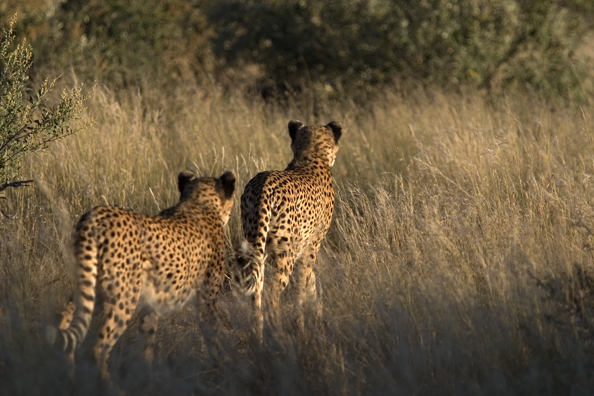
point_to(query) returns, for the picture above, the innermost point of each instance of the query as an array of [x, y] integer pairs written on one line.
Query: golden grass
[[459, 259]]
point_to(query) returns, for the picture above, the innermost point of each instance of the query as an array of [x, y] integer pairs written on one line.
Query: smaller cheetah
[[285, 216], [127, 260]]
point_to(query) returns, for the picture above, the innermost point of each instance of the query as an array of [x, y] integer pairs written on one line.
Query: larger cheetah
[[127, 260], [285, 216]]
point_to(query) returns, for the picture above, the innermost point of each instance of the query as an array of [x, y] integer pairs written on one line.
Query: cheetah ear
[[336, 129], [226, 185], [294, 126], [182, 179]]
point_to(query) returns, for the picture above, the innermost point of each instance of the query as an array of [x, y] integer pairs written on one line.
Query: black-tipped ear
[[182, 179], [227, 183], [336, 129], [294, 126]]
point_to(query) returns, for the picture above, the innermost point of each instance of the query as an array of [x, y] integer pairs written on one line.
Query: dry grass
[[459, 260]]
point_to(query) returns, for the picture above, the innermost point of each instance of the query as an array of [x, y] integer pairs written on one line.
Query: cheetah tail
[[249, 268], [76, 318]]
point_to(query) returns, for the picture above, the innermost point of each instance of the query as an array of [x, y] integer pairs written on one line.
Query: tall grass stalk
[[459, 260]]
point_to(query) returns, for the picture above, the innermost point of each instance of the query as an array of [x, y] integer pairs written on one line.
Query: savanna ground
[[459, 260]]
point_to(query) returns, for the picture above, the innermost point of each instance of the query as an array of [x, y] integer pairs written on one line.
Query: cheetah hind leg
[[67, 316], [257, 316], [149, 320], [282, 264], [306, 293], [113, 324], [313, 294]]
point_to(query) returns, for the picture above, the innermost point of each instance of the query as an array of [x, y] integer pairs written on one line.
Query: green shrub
[[27, 124], [129, 43], [330, 45], [494, 45]]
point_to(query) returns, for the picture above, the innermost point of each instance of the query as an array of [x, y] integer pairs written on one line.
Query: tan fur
[[285, 216], [127, 260]]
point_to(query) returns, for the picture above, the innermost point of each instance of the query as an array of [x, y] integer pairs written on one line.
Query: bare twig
[[579, 223], [6, 215], [15, 184]]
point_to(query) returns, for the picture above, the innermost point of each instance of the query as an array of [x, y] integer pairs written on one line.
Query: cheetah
[[126, 260], [285, 215]]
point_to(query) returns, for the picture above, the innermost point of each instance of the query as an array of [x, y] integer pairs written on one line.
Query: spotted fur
[[285, 216], [126, 260]]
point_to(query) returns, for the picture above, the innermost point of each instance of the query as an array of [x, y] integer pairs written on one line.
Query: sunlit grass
[[458, 262]]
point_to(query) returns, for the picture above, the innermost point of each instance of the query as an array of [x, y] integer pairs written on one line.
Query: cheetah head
[[316, 141], [208, 190]]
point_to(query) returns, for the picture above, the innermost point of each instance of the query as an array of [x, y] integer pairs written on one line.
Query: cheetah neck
[[308, 163], [207, 205]]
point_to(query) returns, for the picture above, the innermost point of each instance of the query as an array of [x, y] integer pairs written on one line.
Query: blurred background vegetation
[[332, 48]]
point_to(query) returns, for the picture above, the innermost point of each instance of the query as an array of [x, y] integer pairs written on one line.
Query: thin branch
[[19, 183], [579, 223], [13, 137], [6, 215]]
